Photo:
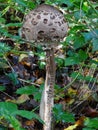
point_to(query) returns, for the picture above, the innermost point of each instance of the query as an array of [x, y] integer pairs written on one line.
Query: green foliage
[[3, 63], [81, 77], [2, 88], [91, 124], [4, 49], [62, 116], [30, 90], [2, 128], [9, 111], [29, 115], [59, 61], [13, 77], [77, 58], [41, 56], [25, 4], [8, 9], [95, 44]]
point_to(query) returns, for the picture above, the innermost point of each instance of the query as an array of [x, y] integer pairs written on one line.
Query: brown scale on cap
[[45, 24]]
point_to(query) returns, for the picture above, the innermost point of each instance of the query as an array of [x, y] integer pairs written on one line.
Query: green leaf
[[14, 122], [75, 29], [59, 61], [82, 55], [27, 114], [21, 2], [95, 44], [3, 128], [27, 90], [77, 58], [67, 2], [9, 111], [13, 77], [42, 64], [24, 113], [74, 74], [91, 123], [79, 42], [85, 6], [88, 129], [71, 61], [58, 108], [13, 25], [81, 77], [30, 90], [37, 96], [7, 108], [25, 3], [2, 88], [61, 115], [87, 36], [90, 35], [67, 117], [2, 20], [78, 16], [4, 48]]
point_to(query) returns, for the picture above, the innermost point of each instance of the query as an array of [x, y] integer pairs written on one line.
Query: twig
[[7, 95], [29, 82], [69, 85]]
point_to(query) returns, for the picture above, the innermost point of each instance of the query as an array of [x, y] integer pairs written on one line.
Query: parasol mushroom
[[45, 25]]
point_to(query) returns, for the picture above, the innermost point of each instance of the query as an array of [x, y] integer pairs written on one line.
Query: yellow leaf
[[22, 56], [23, 98], [72, 92], [72, 127], [78, 123]]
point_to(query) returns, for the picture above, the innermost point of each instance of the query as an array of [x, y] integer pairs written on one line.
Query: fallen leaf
[[22, 56], [23, 98], [40, 81], [78, 123]]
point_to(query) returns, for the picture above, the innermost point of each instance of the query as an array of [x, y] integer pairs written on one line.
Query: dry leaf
[[78, 123], [40, 81], [23, 98], [22, 56]]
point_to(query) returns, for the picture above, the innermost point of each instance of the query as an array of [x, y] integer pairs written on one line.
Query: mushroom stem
[[47, 101]]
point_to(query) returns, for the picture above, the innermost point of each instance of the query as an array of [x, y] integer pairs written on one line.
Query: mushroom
[[45, 25]]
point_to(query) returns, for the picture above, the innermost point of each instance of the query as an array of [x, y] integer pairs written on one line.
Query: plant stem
[[47, 101]]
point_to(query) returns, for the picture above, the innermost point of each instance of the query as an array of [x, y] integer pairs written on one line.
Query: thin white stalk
[[47, 101]]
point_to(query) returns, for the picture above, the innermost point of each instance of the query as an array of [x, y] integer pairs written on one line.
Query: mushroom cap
[[44, 24]]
